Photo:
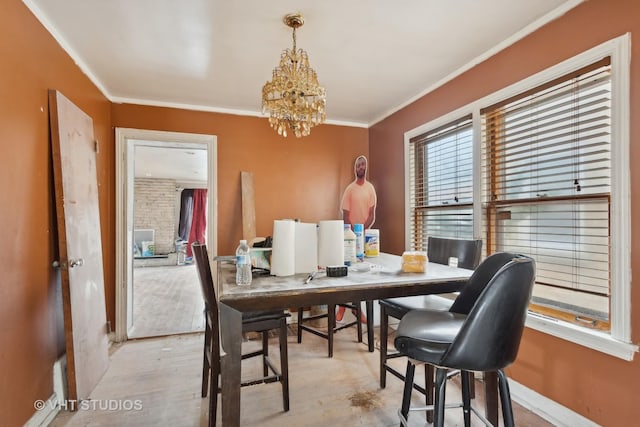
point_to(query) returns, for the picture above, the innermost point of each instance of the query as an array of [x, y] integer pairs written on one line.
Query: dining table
[[374, 278]]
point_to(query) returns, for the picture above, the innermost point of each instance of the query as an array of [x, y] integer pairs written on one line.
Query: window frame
[[617, 341], [461, 124], [453, 117]]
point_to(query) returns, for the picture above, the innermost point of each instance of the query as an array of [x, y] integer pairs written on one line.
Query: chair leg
[[359, 319], [300, 318], [505, 399], [214, 388], [265, 353], [408, 387], [472, 385], [331, 324], [284, 364], [384, 337], [368, 304], [466, 398], [428, 388], [205, 358], [440, 391]]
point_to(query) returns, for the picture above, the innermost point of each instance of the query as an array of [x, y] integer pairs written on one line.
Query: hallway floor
[[166, 300]]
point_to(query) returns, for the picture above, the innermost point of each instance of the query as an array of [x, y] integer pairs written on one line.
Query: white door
[[80, 245]]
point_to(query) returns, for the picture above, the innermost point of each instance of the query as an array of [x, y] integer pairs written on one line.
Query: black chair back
[[479, 280], [490, 335], [468, 252], [204, 274]]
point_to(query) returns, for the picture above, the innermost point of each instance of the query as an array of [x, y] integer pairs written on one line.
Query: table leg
[[230, 358], [369, 309], [491, 397]]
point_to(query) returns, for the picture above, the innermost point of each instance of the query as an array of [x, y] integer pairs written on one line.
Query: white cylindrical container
[[349, 245], [372, 242]]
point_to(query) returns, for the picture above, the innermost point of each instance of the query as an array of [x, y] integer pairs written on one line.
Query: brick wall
[[156, 203]]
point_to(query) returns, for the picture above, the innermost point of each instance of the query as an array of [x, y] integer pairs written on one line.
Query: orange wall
[[600, 387], [293, 178], [31, 334]]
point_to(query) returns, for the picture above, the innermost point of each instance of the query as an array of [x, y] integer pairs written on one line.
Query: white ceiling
[[372, 56]]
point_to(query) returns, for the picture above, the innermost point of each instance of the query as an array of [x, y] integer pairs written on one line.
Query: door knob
[[76, 262]]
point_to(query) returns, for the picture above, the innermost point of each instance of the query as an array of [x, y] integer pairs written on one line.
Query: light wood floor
[[166, 300], [162, 376]]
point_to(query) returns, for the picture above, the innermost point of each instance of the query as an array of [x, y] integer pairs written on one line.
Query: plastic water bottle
[[358, 229], [243, 264], [349, 245]]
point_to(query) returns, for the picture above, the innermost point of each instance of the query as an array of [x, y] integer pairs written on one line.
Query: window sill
[[594, 340]]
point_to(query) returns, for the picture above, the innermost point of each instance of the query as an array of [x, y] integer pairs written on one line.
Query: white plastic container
[[372, 242], [349, 245]]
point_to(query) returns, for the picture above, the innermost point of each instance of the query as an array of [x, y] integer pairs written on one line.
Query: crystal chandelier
[[294, 98]]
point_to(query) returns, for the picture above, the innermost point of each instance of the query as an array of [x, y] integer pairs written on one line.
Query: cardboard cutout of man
[[359, 198], [358, 206]]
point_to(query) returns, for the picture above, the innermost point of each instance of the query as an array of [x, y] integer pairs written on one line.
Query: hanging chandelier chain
[[294, 40]]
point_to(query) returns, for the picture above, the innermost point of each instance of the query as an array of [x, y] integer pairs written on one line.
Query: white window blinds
[[441, 178], [548, 170]]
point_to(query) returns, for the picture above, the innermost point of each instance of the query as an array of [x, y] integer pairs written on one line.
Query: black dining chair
[[332, 326], [439, 250], [259, 321], [484, 340], [461, 305]]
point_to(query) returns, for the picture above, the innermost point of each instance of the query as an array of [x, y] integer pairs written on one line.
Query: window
[[548, 160], [441, 183], [548, 177]]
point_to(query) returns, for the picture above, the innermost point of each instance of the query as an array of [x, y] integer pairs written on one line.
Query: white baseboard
[[47, 410], [44, 416], [60, 378], [546, 408]]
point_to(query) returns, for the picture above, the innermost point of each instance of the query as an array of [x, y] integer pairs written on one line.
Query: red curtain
[[199, 220]]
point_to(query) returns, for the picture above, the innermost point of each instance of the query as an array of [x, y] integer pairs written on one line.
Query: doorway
[[157, 289]]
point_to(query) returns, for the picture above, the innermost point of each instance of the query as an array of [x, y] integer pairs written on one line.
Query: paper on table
[[283, 255], [306, 247], [331, 243]]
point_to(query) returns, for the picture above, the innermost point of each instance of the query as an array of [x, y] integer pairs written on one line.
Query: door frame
[[126, 140]]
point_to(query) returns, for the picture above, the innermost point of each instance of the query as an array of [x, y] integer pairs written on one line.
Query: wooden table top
[[376, 277]]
